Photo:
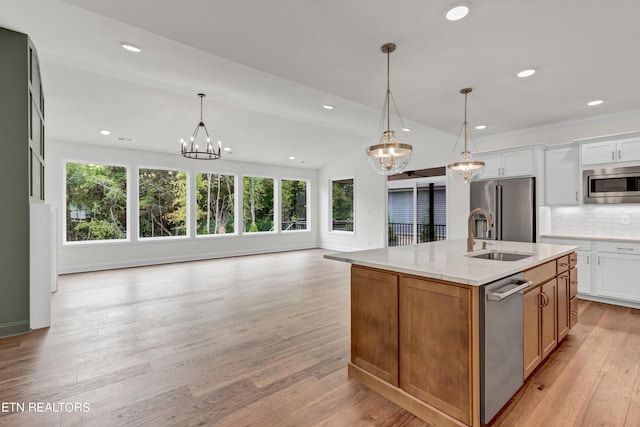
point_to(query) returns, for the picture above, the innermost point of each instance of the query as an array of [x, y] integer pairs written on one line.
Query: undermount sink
[[499, 256]]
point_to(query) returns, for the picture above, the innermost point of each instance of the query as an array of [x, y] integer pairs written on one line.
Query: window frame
[[63, 214], [235, 206], [353, 208], [307, 199], [276, 216], [187, 234]]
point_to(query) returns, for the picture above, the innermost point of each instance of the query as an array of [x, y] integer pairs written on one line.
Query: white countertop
[[631, 239], [446, 259]]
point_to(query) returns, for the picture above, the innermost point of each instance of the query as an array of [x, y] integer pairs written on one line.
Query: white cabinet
[[562, 177], [507, 164], [617, 268], [584, 272], [611, 151]]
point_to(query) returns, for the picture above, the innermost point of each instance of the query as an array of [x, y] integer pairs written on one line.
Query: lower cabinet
[[540, 324], [374, 322], [438, 374], [417, 335], [550, 308]]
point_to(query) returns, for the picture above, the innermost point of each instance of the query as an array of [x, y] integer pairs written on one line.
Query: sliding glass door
[[416, 211]]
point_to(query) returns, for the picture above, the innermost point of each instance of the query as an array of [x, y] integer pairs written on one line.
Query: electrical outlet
[[624, 219]]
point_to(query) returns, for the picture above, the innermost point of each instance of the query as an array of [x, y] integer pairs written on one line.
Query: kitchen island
[[417, 320]]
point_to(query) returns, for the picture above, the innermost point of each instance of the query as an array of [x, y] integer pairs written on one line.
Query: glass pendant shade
[[467, 169], [389, 156]]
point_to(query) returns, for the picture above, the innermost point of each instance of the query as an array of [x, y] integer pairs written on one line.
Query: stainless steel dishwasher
[[501, 339]]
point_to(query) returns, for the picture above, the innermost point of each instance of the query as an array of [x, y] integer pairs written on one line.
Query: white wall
[[86, 256], [432, 148]]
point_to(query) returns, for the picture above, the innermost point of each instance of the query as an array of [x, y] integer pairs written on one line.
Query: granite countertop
[[631, 239], [446, 259]]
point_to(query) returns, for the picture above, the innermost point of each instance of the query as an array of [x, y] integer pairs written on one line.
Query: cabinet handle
[[588, 259], [574, 282], [564, 264], [502, 171], [564, 277], [625, 249], [598, 259], [613, 155], [546, 299], [541, 300], [619, 154], [576, 196], [574, 312]]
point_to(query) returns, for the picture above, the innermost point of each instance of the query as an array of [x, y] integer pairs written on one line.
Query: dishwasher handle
[[499, 296]]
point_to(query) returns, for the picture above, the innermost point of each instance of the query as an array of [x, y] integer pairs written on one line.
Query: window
[[258, 206], [162, 203], [293, 196], [215, 203], [342, 204], [96, 202]]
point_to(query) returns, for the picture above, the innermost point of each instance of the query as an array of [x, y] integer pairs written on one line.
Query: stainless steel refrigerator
[[511, 203]]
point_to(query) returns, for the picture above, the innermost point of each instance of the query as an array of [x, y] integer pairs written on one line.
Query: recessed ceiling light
[[526, 73], [292, 157], [131, 47], [406, 129], [456, 12], [328, 107], [227, 148], [595, 102], [105, 132], [480, 127]]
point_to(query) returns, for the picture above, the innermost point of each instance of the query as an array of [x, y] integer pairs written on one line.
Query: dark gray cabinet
[[21, 172]]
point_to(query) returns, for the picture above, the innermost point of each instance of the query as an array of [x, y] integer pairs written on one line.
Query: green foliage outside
[[162, 203], [215, 194], [96, 202], [258, 204], [294, 204], [342, 204]]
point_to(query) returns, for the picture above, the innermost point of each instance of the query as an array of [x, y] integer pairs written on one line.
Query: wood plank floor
[[264, 340]]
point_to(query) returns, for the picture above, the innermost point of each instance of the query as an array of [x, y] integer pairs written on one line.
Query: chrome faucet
[[487, 215]]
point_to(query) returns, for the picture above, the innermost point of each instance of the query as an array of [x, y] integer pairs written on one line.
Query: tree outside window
[[258, 205], [96, 202], [162, 202], [293, 195], [215, 203], [342, 204]]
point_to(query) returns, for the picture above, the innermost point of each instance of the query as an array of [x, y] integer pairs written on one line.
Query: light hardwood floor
[[264, 340]]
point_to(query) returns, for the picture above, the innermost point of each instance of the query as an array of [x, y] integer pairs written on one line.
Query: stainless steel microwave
[[614, 185]]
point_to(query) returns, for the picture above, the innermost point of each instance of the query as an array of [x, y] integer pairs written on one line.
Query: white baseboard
[[167, 260], [607, 300]]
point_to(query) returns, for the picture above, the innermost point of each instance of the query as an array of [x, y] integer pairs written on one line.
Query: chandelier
[[466, 170], [390, 156], [191, 148]]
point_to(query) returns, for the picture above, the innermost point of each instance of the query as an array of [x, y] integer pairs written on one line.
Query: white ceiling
[[268, 66]]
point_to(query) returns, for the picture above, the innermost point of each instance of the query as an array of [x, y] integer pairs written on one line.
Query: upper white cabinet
[[507, 164], [562, 176], [611, 151]]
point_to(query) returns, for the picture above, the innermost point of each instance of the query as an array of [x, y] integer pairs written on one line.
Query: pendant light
[[466, 170], [390, 156], [191, 148]]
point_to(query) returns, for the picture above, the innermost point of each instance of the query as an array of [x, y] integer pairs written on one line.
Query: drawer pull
[[564, 264], [574, 312], [625, 249], [574, 282]]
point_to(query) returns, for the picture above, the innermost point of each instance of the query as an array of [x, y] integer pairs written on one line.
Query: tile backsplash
[[610, 220]]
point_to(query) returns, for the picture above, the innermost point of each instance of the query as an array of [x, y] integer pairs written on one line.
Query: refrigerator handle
[[496, 214], [500, 212]]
